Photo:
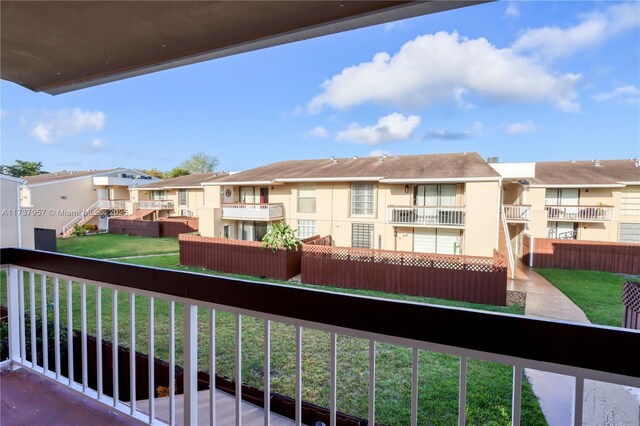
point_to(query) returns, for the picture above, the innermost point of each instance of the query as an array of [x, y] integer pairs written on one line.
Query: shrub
[[90, 227], [280, 236], [78, 230]]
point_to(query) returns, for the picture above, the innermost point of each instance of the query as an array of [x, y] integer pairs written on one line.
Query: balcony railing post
[[190, 364], [13, 314]]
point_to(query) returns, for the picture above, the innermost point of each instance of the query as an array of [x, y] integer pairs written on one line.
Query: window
[[182, 197], [630, 232], [158, 195], [306, 228], [306, 198], [254, 195], [362, 235], [435, 195], [630, 203], [362, 196]]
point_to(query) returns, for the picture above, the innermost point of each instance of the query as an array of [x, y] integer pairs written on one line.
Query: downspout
[[499, 213], [19, 216]]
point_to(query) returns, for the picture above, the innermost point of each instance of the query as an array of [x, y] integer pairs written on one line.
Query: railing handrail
[[251, 204], [426, 207], [542, 343], [517, 205], [78, 218], [583, 205], [507, 242]]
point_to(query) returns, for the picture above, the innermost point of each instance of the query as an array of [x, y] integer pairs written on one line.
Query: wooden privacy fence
[[164, 227], [238, 257], [590, 255], [464, 278], [631, 305]]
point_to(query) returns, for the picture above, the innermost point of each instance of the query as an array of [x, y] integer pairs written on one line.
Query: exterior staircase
[[504, 244], [84, 217]]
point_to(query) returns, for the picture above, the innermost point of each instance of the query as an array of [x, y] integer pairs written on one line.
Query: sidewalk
[[604, 402]]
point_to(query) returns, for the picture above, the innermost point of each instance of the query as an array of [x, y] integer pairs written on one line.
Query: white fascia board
[[247, 183], [515, 170], [630, 183], [13, 179], [579, 185], [443, 180], [332, 179]]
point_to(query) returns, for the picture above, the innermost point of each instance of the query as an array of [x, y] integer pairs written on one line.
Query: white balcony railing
[[77, 293], [156, 205], [517, 212], [240, 211], [112, 204], [579, 213], [445, 216]]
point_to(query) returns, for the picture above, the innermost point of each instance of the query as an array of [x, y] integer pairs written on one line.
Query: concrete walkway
[[604, 403]]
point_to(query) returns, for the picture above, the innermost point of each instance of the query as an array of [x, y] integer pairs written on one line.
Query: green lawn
[[106, 246], [489, 384], [598, 294]]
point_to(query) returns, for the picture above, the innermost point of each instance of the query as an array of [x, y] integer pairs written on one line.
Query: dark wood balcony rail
[[588, 351]]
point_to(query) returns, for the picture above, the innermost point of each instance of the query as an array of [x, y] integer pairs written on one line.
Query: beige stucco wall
[[79, 193], [333, 213], [10, 217], [588, 231]]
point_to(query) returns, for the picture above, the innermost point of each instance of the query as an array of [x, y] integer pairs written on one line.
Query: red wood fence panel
[[590, 255], [631, 305], [238, 257], [142, 228], [463, 278]]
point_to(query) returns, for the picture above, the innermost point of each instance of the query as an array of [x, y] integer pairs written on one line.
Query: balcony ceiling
[[60, 46]]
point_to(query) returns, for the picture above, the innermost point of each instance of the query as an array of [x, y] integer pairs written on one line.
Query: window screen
[[362, 199], [306, 198], [362, 235]]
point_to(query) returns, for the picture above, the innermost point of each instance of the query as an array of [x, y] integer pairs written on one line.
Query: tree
[[177, 172], [154, 172], [200, 163], [23, 168]]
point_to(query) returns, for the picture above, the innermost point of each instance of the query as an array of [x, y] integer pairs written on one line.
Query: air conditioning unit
[[185, 212]]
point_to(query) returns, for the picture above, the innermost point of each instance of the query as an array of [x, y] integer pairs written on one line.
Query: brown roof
[[434, 166], [52, 177], [194, 179], [609, 172]]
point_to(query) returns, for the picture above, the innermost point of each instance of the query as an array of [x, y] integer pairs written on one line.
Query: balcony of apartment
[[155, 205], [112, 204], [77, 293], [518, 213], [249, 211], [427, 216], [595, 213]]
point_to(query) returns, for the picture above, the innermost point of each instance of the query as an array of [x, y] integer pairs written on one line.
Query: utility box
[[45, 239]]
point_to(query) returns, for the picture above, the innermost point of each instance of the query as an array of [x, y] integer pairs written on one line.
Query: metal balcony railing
[[579, 213], [517, 212], [156, 205], [242, 211], [427, 215], [78, 285], [112, 204]]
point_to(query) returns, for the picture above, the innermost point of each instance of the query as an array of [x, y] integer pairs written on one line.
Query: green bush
[[78, 230], [280, 236], [90, 227]]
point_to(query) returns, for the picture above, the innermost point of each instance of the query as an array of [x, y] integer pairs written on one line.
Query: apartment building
[[443, 203], [584, 200], [63, 199], [16, 220], [181, 196]]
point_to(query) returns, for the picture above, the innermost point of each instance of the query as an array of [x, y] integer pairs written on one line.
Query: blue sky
[[524, 81]]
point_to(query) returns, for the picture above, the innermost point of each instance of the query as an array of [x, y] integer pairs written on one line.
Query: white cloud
[[379, 153], [627, 94], [98, 144], [393, 127], [449, 135], [520, 128], [317, 132], [393, 25], [51, 126], [4, 114], [445, 67], [549, 43], [512, 10]]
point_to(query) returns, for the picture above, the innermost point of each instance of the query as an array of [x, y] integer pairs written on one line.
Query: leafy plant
[[90, 227], [280, 236], [78, 230]]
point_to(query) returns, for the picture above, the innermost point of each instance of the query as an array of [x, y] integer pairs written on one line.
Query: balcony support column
[[13, 312], [190, 364]]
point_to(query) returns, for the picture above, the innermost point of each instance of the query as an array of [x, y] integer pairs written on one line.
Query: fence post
[[13, 313], [531, 250], [190, 364]]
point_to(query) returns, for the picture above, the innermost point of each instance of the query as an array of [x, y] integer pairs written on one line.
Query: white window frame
[[371, 230], [181, 193], [356, 211], [305, 190], [306, 228], [158, 195]]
